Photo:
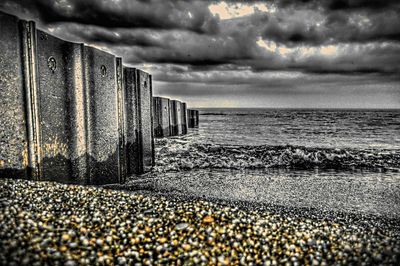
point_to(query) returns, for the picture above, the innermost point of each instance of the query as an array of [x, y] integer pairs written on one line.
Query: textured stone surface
[[66, 114], [140, 144], [184, 118], [122, 120], [54, 224], [102, 114], [172, 118], [13, 134], [132, 126], [61, 109], [176, 118], [146, 141], [161, 117], [193, 118]]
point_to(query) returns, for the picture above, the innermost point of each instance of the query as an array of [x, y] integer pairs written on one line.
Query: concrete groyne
[[193, 118], [172, 118], [73, 113]]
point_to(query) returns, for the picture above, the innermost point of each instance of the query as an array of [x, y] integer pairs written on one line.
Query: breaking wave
[[224, 114], [178, 155]]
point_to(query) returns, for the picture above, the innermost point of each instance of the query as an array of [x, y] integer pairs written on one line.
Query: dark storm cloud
[[112, 36], [158, 14], [184, 32], [297, 47], [336, 27], [235, 42], [349, 5]]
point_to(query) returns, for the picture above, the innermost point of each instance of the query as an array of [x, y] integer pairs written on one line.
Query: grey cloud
[[336, 27], [349, 5], [353, 59], [157, 14], [112, 36], [162, 32]]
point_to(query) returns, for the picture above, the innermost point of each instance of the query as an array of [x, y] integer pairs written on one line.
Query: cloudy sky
[[304, 53]]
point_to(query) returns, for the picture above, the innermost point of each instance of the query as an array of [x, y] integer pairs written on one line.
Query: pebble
[[57, 224], [208, 219], [182, 226]]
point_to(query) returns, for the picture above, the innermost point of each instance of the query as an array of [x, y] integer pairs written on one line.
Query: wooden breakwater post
[[67, 112]]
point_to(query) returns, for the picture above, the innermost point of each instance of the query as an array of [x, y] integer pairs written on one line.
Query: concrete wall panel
[[71, 113], [197, 119], [145, 101], [173, 118], [193, 118], [122, 121], [161, 117], [13, 133], [179, 110], [61, 109], [184, 119], [140, 144], [102, 116], [132, 121]]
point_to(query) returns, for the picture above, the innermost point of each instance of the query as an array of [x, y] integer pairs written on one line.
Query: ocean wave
[[231, 114], [214, 114], [178, 155]]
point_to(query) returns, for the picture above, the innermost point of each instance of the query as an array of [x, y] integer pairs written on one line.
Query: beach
[[216, 196], [44, 222], [199, 132]]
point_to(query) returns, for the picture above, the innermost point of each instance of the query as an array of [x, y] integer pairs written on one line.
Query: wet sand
[[361, 193]]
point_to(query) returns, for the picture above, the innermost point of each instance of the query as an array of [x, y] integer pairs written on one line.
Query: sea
[[321, 128], [325, 160]]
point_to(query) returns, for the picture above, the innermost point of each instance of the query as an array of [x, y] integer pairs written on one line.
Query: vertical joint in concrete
[[28, 31]]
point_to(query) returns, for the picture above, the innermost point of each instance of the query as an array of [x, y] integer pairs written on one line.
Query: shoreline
[[365, 220]]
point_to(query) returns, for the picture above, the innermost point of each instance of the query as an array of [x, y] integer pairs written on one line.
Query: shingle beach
[[43, 222]]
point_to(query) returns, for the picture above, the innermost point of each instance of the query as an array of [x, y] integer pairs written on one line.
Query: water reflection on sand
[[360, 192]]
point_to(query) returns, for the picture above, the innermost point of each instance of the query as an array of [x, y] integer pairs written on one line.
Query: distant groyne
[[75, 114]]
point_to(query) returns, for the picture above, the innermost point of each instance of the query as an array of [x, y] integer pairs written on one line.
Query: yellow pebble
[[186, 247], [208, 219]]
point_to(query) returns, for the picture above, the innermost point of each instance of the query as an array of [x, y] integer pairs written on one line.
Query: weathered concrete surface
[[140, 143], [172, 118], [122, 121], [193, 118], [176, 117], [132, 125], [184, 119], [197, 119], [67, 112], [161, 117], [145, 102], [179, 115], [101, 116], [61, 109], [13, 133]]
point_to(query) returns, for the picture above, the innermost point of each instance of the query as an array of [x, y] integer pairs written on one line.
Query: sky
[[286, 54]]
